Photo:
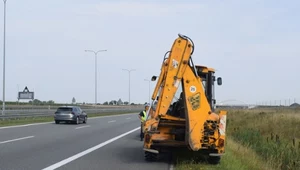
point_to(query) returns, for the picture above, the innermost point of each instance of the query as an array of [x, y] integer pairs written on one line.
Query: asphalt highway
[[105, 143]]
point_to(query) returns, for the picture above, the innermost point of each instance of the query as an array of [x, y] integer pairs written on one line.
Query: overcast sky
[[254, 45]]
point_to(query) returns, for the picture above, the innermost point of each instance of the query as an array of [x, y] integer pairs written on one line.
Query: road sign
[[26, 94]]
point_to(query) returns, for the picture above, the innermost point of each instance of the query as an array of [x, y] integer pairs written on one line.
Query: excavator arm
[[170, 76], [172, 73]]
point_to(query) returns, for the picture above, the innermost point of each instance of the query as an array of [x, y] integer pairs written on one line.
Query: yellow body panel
[[197, 107]]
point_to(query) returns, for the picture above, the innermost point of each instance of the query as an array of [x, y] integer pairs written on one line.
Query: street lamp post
[[3, 101], [149, 89], [95, 52], [129, 81]]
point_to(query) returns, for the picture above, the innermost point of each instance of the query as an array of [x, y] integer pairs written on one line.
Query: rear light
[[221, 142], [147, 138]]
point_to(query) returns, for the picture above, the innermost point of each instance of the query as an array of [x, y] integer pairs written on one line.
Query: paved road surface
[[110, 143]]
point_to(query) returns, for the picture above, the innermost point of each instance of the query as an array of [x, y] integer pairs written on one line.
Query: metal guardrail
[[15, 114]]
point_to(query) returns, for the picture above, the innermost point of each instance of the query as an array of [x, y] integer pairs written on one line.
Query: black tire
[[149, 156], [56, 122], [77, 121], [214, 160]]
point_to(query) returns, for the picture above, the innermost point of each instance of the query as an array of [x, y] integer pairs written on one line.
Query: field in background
[[267, 138]]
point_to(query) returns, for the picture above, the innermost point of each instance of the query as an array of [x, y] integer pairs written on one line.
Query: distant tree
[[51, 102], [126, 103], [73, 100], [113, 102], [37, 102], [105, 103]]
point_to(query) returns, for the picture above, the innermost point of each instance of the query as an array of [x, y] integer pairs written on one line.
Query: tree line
[[73, 101]]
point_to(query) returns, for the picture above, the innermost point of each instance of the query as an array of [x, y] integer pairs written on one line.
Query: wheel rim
[[77, 120]]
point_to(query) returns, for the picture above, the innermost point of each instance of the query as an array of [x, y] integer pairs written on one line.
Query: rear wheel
[[77, 121], [56, 122], [149, 156], [214, 160]]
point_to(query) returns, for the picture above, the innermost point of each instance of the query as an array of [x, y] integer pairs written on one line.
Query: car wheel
[[85, 120], [77, 120], [56, 122]]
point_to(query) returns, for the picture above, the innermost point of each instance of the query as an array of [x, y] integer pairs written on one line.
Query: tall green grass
[[258, 139], [272, 134]]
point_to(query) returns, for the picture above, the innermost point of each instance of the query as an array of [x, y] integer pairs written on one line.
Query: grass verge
[[29, 120], [237, 157]]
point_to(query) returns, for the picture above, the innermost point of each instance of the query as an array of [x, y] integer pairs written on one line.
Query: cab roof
[[204, 69]]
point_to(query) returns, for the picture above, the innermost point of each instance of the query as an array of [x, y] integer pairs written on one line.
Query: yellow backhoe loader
[[182, 112]]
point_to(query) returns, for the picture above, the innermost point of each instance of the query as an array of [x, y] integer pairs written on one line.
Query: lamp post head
[[129, 70], [94, 51], [100, 51]]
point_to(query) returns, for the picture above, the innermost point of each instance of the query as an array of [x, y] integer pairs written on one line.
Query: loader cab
[[208, 78]]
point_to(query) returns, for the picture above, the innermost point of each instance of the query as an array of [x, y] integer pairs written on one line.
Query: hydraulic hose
[[193, 48], [188, 38]]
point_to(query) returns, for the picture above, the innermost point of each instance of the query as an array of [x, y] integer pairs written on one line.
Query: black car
[[72, 114]]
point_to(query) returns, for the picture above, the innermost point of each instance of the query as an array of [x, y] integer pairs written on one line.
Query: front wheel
[[77, 121]]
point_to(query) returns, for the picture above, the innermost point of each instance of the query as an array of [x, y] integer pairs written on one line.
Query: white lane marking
[[74, 157], [6, 127], [82, 127], [111, 121], [16, 139], [33, 124], [128, 118]]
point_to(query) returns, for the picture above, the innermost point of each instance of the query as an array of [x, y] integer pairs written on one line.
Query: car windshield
[[64, 109]]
